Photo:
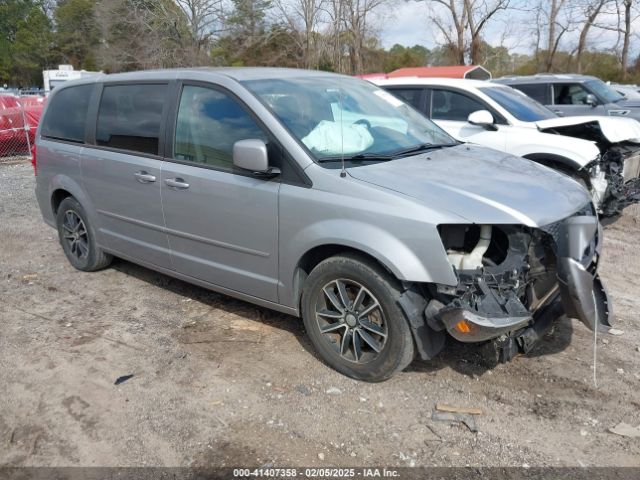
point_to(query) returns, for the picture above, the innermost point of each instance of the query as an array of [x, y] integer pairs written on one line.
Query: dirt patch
[[221, 382]]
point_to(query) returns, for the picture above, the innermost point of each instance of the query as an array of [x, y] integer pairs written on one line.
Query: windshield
[[604, 91], [518, 104], [335, 116]]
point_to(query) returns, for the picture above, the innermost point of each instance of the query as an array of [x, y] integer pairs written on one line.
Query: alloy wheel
[[75, 235], [351, 320]]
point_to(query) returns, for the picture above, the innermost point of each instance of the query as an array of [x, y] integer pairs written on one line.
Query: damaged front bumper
[[543, 269], [583, 294]]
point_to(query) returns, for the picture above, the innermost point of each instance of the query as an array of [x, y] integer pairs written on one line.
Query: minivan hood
[[483, 186], [614, 129]]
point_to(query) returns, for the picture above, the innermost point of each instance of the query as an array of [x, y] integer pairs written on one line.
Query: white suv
[[602, 153]]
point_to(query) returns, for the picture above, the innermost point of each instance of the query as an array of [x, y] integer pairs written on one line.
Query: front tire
[[78, 238], [350, 311]]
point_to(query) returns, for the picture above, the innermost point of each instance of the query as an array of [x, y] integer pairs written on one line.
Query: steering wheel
[[363, 121]]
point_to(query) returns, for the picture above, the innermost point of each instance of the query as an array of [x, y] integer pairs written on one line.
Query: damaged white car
[[602, 153]]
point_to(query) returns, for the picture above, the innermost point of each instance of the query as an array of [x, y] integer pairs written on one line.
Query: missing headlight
[[471, 247], [500, 294]]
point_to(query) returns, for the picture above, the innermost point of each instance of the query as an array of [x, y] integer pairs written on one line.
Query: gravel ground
[[221, 382]]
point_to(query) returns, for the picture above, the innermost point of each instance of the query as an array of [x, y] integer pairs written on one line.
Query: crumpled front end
[[614, 177], [515, 280], [619, 165]]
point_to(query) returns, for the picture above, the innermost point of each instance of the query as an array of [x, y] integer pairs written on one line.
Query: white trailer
[[53, 78]]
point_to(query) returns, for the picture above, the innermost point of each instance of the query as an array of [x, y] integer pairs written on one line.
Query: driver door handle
[[176, 183]]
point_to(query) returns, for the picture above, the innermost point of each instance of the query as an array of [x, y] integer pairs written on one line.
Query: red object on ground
[[32, 115], [31, 100], [18, 120], [458, 71], [34, 160]]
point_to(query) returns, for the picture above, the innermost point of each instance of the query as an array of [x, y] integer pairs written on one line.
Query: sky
[[408, 24]]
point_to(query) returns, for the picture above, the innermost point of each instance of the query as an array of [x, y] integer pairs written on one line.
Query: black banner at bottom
[[318, 473]]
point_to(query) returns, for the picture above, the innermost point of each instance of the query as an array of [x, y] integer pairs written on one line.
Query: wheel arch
[[560, 163], [555, 161], [62, 186], [57, 196], [314, 256]]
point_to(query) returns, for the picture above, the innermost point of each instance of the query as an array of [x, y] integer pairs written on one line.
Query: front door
[[450, 110], [222, 223], [570, 99], [121, 172]]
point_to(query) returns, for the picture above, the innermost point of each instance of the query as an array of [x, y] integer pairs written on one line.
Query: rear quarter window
[[66, 116]]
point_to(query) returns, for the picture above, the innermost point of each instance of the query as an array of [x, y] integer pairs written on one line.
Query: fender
[[405, 261], [575, 152]]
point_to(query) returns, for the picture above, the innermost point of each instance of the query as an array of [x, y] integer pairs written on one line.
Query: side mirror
[[252, 155], [591, 99], [482, 118]]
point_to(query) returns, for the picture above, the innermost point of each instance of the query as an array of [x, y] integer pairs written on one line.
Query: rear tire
[[77, 237], [351, 314]]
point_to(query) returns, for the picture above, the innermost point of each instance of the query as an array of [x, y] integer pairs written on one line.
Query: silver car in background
[[324, 197]]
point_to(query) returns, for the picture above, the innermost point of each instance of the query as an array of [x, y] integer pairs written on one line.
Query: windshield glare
[[604, 91], [335, 116], [518, 104]]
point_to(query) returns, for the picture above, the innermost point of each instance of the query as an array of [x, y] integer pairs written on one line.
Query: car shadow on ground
[[476, 359], [467, 359]]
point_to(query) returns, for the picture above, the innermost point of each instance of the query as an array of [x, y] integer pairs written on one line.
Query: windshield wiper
[[359, 156], [385, 157], [422, 148]]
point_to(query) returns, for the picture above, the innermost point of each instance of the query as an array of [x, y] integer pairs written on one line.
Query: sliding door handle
[[176, 183]]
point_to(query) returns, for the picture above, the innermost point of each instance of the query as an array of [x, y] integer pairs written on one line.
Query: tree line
[[333, 35]]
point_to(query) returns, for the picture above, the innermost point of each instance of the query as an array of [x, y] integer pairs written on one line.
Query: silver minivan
[[324, 197]]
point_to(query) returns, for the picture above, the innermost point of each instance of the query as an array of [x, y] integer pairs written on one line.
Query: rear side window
[[209, 123], [537, 91], [413, 96], [67, 114], [130, 116]]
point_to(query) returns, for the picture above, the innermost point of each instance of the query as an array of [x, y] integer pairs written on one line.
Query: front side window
[[130, 116], [334, 116], [518, 104], [67, 114], [449, 105], [209, 123], [570, 94]]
